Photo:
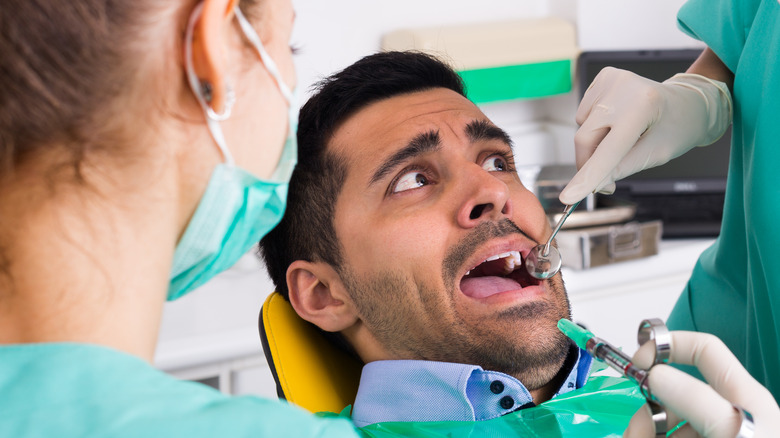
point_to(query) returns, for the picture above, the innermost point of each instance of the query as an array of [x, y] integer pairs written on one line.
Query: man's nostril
[[477, 211]]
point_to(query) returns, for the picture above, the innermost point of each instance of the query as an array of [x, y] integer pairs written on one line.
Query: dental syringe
[[605, 352]]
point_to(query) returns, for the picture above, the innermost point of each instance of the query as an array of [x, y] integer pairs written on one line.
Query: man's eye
[[410, 180], [495, 164]]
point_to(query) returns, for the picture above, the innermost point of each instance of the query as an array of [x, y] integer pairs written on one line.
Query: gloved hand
[[629, 123], [709, 409]]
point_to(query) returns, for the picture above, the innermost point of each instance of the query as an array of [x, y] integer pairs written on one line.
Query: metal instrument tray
[[596, 246]]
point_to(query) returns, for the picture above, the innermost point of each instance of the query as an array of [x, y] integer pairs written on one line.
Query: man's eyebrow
[[483, 130], [421, 144]]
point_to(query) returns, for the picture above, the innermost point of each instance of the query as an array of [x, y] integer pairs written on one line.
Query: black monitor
[[686, 193]]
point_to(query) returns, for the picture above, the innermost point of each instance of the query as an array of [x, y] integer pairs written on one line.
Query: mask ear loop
[[269, 63], [201, 89], [290, 153]]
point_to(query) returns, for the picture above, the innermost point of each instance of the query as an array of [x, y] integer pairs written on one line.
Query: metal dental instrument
[[544, 261], [600, 349]]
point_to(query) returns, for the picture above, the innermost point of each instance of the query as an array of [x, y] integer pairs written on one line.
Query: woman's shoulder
[[79, 390]]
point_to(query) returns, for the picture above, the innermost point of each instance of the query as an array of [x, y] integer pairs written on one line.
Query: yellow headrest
[[309, 371]]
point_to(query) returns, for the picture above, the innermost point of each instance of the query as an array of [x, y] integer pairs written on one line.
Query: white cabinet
[[211, 335], [612, 300]]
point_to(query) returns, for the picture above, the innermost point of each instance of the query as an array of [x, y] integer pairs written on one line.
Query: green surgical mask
[[237, 208]]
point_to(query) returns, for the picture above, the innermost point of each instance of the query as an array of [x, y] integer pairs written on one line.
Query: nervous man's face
[[434, 224]]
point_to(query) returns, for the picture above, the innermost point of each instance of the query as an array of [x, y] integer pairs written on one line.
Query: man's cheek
[[415, 237], [530, 217]]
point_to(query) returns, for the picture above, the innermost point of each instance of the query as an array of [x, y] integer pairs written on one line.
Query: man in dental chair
[[404, 237]]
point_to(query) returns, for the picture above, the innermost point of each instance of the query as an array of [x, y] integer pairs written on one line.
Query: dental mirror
[[544, 261]]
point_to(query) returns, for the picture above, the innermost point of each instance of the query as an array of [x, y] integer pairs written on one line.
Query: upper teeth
[[503, 255], [511, 259]]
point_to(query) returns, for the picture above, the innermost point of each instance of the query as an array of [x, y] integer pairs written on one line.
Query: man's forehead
[[383, 127]]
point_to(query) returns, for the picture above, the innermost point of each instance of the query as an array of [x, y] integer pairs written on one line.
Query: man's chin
[[534, 355], [547, 366]]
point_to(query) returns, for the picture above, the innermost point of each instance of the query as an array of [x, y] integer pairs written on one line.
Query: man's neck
[[547, 391]]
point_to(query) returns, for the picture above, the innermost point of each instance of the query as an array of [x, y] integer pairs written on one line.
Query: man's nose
[[484, 197]]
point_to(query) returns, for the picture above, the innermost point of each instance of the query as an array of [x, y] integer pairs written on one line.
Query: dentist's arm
[[629, 123], [708, 408]]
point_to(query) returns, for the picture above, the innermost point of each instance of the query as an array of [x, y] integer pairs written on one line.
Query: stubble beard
[[526, 344], [522, 341]]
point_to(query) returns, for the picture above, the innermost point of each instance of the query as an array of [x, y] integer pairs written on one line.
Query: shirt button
[[507, 402], [496, 387]]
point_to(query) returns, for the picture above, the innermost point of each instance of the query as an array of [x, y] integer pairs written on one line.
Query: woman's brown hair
[[61, 62], [62, 66]]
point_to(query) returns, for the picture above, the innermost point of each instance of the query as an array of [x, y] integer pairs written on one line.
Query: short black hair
[[306, 232]]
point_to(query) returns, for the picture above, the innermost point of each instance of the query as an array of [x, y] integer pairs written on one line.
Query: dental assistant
[[144, 147], [734, 291]]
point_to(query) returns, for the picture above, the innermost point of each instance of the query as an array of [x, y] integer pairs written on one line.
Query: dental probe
[[544, 260], [603, 351]]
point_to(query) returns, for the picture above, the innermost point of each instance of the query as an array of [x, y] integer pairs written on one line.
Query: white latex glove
[[707, 408], [629, 123]]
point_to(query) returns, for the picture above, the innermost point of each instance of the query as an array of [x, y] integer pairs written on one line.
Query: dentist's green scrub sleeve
[[77, 390], [734, 291]]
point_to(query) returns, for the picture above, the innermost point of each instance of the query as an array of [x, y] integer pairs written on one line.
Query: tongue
[[481, 287]]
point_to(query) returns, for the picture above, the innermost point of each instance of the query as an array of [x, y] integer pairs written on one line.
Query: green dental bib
[[601, 408]]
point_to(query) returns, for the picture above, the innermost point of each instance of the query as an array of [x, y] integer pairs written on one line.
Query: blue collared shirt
[[418, 390]]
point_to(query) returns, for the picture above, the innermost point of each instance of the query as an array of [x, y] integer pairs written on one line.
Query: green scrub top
[[77, 390], [734, 291]]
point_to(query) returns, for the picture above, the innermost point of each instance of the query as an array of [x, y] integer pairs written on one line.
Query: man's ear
[[318, 296], [209, 48]]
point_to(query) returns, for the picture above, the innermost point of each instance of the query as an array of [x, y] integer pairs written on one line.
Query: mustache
[[458, 254]]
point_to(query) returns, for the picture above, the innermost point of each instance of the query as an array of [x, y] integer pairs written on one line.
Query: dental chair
[[309, 371]]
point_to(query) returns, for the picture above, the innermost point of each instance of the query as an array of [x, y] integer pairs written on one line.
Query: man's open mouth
[[499, 273]]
